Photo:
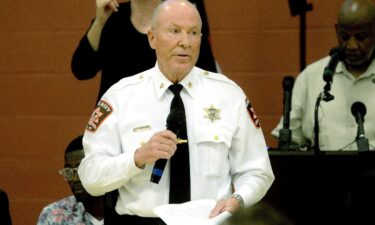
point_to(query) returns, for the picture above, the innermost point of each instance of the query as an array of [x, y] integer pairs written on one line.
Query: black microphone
[[337, 54], [288, 83], [285, 134], [359, 111], [174, 123]]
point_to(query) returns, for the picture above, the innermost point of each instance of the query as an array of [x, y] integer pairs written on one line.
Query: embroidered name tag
[[142, 128]]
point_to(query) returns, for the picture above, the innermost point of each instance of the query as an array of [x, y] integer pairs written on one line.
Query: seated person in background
[[259, 214], [116, 43], [5, 218], [80, 208], [353, 80], [223, 143]]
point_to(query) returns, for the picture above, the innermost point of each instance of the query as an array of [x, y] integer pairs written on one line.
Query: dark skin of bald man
[[355, 31]]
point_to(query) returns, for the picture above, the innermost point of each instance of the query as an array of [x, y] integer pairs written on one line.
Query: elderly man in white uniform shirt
[[353, 80], [127, 133]]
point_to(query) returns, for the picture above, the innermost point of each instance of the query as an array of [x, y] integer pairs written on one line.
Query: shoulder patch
[[252, 114], [102, 111]]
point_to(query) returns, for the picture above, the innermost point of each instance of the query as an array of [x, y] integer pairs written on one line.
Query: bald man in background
[[353, 80]]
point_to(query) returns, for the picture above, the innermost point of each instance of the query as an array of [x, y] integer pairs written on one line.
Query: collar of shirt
[[161, 83]]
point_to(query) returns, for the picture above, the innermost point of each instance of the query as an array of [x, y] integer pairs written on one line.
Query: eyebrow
[[176, 25]]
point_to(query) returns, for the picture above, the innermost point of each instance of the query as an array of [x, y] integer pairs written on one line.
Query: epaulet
[[216, 76], [127, 81]]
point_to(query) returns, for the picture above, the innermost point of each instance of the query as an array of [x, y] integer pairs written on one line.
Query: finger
[[159, 151], [168, 146], [217, 210], [103, 3], [164, 155], [113, 6], [165, 137], [170, 135], [162, 147], [116, 3], [167, 143]]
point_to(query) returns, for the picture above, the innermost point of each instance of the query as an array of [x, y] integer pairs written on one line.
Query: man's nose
[[352, 43], [184, 39]]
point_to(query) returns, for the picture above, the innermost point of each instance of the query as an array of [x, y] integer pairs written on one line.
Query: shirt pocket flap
[[214, 135]]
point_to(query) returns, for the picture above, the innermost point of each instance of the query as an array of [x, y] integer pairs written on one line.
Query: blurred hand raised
[[104, 9]]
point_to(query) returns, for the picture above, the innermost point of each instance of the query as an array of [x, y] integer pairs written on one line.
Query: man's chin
[[182, 68], [357, 63]]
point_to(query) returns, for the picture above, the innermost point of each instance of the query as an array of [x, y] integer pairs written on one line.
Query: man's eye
[[174, 31], [361, 37], [344, 37], [194, 33]]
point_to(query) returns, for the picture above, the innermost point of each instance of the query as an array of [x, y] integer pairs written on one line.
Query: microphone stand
[[316, 124], [285, 134], [326, 96], [301, 7], [362, 142], [302, 35], [285, 138], [336, 54]]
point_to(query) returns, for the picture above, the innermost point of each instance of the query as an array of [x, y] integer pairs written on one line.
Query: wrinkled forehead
[[357, 27]]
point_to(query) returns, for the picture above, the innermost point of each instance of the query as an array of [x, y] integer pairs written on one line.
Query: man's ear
[[151, 38]]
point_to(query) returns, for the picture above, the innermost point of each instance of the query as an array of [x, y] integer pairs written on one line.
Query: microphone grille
[[358, 107], [338, 52]]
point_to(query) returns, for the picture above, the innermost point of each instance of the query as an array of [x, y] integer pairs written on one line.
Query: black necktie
[[179, 163]]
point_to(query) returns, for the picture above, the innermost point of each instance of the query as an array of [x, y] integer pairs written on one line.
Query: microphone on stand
[[174, 123], [285, 134], [337, 54], [359, 112]]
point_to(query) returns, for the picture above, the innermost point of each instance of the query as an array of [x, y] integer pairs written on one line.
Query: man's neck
[[95, 206]]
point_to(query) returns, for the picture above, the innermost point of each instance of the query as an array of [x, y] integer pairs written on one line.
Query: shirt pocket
[[213, 146], [136, 137]]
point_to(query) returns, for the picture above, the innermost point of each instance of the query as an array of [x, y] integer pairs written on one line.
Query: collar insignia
[[212, 113]]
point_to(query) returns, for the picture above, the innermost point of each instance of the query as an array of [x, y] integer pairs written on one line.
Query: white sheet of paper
[[194, 212]]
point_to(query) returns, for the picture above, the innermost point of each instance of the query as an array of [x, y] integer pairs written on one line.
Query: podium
[[334, 187]]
